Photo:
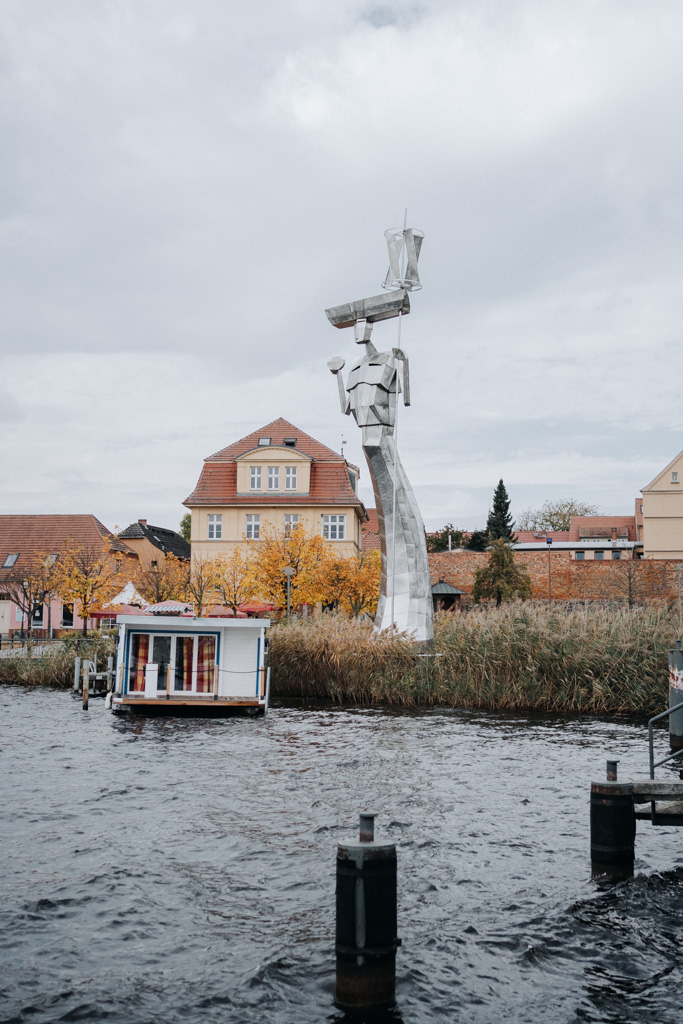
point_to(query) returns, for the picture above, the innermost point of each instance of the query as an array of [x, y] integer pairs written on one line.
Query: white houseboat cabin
[[179, 663]]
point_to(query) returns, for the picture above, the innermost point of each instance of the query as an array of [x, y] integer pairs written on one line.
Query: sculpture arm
[[336, 366], [398, 353]]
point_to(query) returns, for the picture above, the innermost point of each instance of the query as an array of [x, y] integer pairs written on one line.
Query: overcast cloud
[[185, 188]]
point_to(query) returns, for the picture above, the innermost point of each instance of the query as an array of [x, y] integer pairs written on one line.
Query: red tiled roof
[[35, 535], [330, 484], [370, 532], [582, 527], [530, 536], [277, 431]]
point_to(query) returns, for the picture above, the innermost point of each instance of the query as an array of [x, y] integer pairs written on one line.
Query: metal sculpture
[[370, 394]]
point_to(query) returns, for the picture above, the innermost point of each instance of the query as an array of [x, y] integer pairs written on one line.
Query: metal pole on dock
[[366, 939], [77, 674], [613, 826], [110, 673], [86, 680], [676, 696]]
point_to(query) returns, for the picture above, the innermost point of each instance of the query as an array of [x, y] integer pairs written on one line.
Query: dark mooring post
[[676, 696], [613, 826], [366, 921], [86, 679]]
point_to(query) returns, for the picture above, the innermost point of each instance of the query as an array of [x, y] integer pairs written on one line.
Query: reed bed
[[54, 666], [524, 656]]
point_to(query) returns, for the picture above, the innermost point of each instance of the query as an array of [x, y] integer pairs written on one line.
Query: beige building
[[276, 478], [662, 510]]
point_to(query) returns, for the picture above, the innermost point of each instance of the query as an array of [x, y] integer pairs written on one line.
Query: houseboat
[[179, 664]]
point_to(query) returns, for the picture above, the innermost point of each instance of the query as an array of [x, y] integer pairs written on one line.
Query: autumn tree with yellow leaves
[[32, 585], [87, 575], [354, 582], [233, 582], [200, 587], [275, 551], [165, 581]]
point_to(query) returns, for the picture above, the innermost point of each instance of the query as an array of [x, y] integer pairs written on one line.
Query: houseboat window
[[290, 478], [273, 478], [255, 478], [161, 654], [215, 527], [334, 527], [206, 660], [139, 656], [253, 527], [184, 658]]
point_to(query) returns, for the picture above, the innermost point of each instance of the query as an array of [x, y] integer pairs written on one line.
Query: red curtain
[[206, 659], [139, 658], [188, 654]]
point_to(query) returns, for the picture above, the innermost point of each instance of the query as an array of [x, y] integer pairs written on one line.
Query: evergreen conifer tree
[[501, 579], [499, 523]]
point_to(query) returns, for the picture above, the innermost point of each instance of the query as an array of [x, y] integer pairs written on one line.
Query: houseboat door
[[161, 654]]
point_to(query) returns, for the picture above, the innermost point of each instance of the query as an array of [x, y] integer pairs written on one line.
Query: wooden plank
[[645, 790]]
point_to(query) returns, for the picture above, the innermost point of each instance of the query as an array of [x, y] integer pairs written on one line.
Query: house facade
[[274, 479], [662, 512], [23, 538], [153, 543]]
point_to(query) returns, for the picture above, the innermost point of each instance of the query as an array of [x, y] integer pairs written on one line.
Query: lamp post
[[549, 542], [289, 572]]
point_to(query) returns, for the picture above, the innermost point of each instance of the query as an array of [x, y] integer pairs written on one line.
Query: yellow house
[[663, 512], [276, 478]]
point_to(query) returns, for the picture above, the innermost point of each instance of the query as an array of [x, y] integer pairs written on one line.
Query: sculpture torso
[[372, 385]]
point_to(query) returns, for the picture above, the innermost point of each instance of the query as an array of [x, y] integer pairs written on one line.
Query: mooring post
[[86, 679], [676, 696], [77, 674], [366, 940], [613, 826], [110, 673]]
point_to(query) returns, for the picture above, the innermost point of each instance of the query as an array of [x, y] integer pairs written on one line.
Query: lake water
[[183, 870]]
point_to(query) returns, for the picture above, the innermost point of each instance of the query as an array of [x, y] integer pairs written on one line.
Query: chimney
[[142, 522], [614, 533]]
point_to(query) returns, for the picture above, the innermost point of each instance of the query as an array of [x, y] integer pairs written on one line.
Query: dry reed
[[522, 656], [53, 665]]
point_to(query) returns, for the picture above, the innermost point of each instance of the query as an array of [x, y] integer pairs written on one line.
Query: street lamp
[[289, 572], [549, 541]]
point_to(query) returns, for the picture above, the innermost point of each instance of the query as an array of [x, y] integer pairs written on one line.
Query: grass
[[523, 656], [55, 667]]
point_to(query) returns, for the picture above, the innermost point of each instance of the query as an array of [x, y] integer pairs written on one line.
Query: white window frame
[[273, 478], [255, 478], [172, 659], [290, 478], [214, 529], [292, 519], [253, 530], [674, 477], [334, 527]]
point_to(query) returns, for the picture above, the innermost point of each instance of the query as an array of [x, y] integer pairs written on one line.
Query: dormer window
[[51, 559], [255, 478], [10, 560], [263, 442], [289, 442]]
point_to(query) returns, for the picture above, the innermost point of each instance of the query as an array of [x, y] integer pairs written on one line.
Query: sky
[[184, 189]]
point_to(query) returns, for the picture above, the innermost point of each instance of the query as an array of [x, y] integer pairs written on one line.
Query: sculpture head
[[362, 330]]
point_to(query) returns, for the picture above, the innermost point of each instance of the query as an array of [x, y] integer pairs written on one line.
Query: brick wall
[[570, 579]]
